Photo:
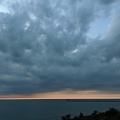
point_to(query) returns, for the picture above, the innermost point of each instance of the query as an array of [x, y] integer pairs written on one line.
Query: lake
[[49, 109]]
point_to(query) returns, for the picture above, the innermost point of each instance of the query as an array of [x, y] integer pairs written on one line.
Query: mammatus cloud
[[45, 47]]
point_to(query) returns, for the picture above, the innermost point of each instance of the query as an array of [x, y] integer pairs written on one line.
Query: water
[[49, 109]]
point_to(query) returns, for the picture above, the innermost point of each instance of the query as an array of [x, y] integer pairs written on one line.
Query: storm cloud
[[45, 46]]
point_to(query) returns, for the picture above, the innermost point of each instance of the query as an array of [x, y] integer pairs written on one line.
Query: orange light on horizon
[[63, 95]]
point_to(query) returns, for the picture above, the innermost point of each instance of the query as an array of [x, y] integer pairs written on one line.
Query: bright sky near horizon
[[59, 49]]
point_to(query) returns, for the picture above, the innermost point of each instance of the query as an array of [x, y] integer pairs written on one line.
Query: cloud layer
[[45, 46]]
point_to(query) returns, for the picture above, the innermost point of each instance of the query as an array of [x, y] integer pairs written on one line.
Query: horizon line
[[69, 99]]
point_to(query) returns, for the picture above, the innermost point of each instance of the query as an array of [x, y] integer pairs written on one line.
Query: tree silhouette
[[111, 114], [81, 115], [67, 117], [95, 113]]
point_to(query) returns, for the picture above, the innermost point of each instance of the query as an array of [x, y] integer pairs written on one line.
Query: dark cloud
[[44, 47]]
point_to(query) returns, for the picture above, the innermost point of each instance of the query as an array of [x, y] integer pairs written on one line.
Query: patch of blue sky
[[4, 9], [99, 27]]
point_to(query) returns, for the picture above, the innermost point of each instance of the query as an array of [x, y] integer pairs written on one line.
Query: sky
[[59, 49]]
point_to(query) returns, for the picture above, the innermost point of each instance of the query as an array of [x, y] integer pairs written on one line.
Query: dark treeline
[[111, 114]]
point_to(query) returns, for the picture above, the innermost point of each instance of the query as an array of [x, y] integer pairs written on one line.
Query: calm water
[[49, 109]]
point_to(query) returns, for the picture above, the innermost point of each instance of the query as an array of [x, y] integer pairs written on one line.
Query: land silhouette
[[110, 114]]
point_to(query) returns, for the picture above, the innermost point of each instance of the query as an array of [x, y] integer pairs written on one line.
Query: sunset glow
[[63, 95]]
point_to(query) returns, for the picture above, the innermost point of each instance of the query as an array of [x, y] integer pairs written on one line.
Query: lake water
[[48, 109]]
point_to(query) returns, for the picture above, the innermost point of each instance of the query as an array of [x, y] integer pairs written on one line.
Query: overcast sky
[[56, 45]]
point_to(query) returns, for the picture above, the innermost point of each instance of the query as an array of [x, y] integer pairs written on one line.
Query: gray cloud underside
[[44, 47]]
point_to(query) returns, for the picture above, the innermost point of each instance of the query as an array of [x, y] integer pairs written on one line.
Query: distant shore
[[93, 100], [68, 100]]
